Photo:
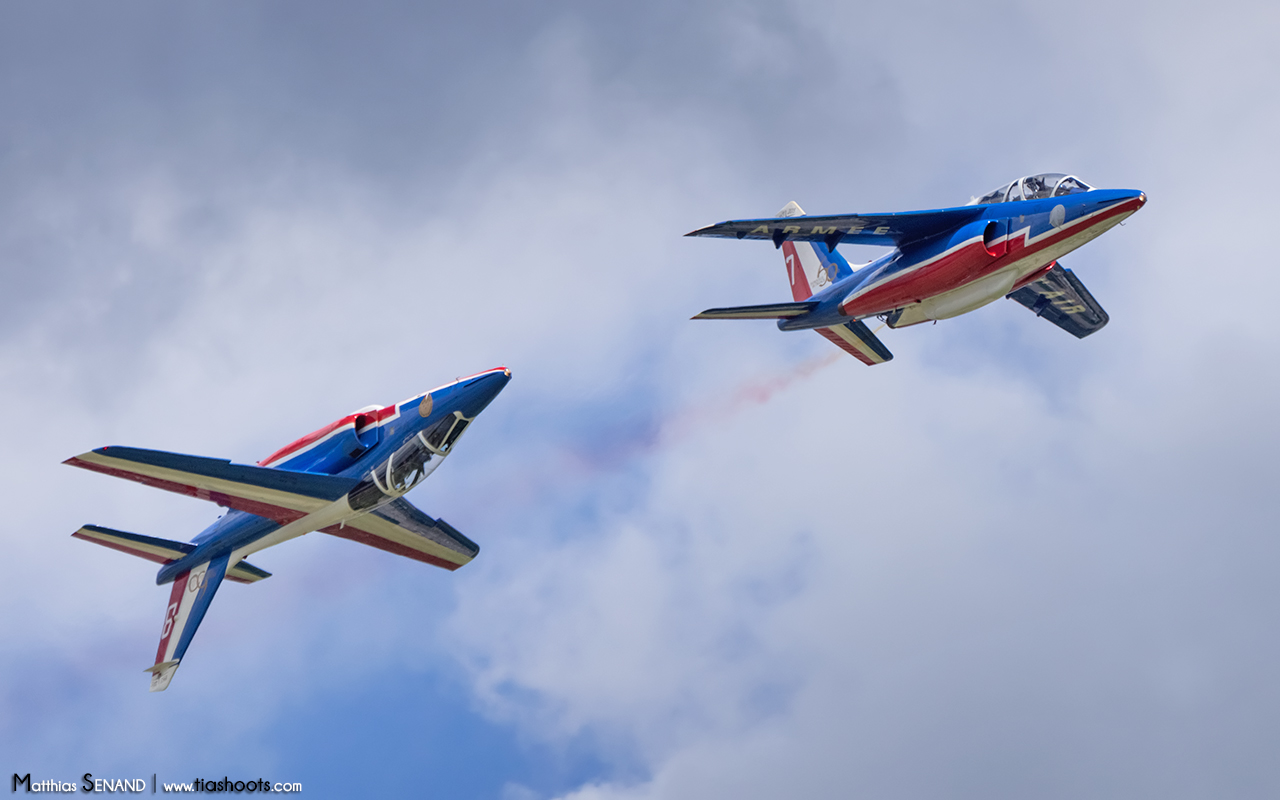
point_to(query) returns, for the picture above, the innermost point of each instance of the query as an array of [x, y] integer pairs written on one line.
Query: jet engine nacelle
[[995, 237], [965, 272], [364, 435], [345, 439], [356, 440]]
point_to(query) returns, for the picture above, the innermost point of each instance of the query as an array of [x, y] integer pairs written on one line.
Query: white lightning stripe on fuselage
[[856, 293], [350, 425], [1024, 267], [1026, 238], [308, 448], [1059, 249], [395, 415]]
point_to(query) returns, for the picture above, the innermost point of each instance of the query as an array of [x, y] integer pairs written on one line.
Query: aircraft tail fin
[[811, 266], [189, 599]]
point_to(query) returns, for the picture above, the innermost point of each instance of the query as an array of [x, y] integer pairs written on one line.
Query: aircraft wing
[[400, 528], [1061, 298], [875, 229], [279, 495]]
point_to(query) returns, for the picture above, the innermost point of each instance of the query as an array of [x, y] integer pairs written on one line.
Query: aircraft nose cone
[[1142, 199], [478, 392]]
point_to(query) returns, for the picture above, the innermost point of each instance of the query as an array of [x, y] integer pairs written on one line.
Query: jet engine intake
[[995, 237], [366, 434]]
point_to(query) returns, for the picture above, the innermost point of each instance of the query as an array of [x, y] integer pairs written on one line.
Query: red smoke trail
[[752, 393], [624, 447], [617, 448]]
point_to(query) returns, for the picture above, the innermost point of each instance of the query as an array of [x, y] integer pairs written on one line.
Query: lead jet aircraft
[[944, 262], [345, 479]]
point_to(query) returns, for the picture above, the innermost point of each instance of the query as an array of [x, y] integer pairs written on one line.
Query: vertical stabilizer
[[188, 601], [811, 266], [791, 209]]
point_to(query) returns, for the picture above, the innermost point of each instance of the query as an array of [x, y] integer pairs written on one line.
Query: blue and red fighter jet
[[345, 479], [943, 262]]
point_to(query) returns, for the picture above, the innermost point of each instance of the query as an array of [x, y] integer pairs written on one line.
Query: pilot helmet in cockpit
[[1034, 187]]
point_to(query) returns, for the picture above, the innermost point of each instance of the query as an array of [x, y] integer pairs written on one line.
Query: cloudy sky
[[717, 560]]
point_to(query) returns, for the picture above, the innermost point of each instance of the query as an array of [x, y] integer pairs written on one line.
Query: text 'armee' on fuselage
[[941, 263]]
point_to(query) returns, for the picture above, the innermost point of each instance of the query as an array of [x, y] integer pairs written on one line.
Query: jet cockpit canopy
[[1034, 187]]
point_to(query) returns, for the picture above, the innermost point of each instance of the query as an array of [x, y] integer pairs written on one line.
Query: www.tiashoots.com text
[[88, 783]]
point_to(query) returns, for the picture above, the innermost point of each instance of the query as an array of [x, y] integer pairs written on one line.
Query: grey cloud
[[1008, 563]]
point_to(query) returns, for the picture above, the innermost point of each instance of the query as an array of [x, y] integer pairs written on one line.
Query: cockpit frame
[[1034, 187], [409, 465]]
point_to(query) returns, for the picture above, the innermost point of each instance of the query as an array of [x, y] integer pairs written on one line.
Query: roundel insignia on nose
[[424, 408], [1057, 216]]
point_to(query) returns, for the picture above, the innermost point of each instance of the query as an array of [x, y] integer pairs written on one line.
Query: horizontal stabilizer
[[770, 311], [400, 528], [279, 495], [856, 339], [244, 572], [161, 551], [1061, 298], [886, 230]]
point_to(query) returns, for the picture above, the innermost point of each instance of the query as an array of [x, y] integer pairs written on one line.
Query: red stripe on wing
[[360, 536], [159, 559], [961, 266], [835, 339]]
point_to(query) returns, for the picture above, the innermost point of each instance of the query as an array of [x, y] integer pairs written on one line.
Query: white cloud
[[1007, 563]]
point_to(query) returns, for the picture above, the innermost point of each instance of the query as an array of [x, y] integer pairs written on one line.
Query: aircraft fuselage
[[1008, 246]]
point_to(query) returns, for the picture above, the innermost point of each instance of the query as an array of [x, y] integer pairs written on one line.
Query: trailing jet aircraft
[[944, 262], [345, 479]]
